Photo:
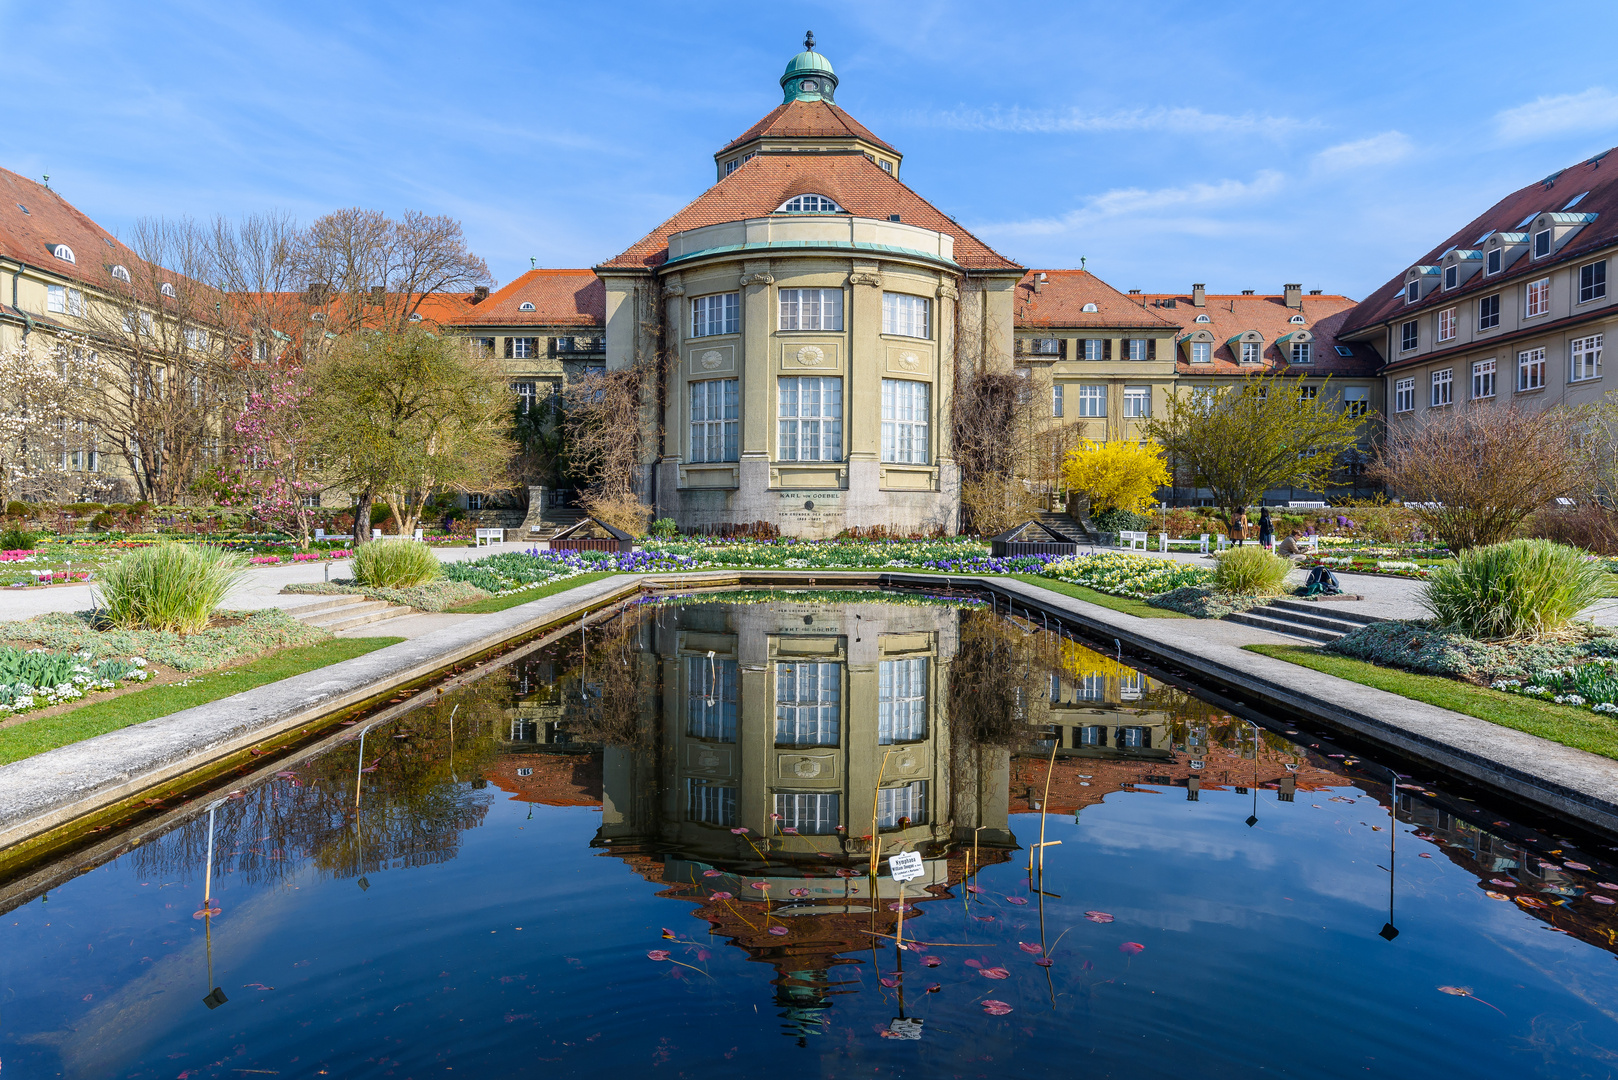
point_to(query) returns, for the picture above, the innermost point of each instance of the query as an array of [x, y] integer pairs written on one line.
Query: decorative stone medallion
[[711, 359], [811, 356], [909, 360], [806, 768]]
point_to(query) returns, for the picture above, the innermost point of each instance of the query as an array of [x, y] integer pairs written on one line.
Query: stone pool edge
[[51, 790]]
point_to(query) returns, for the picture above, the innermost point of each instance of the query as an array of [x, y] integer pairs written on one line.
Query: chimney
[[379, 294], [1294, 295], [1039, 282], [1199, 296], [1315, 292], [1247, 292], [317, 292], [480, 293]]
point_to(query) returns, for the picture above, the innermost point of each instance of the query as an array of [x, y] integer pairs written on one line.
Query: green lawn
[[501, 603], [99, 717], [1125, 604], [1566, 724]]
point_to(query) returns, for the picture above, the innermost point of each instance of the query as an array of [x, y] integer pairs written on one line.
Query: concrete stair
[[1313, 621], [346, 612], [1058, 522], [554, 521]]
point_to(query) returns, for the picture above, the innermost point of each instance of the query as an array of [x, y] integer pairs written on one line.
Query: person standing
[[1238, 528], [1266, 529]]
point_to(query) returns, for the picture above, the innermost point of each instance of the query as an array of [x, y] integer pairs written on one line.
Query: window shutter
[[1106, 348], [1151, 348], [508, 348]]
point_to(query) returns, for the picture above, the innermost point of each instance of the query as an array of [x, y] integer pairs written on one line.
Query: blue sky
[[1240, 144]]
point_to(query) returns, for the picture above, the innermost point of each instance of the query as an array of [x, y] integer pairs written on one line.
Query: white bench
[[1134, 541], [1165, 542], [489, 536]]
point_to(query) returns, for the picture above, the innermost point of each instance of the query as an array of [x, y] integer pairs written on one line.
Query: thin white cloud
[[1383, 149], [1135, 202], [1181, 121], [1596, 109]]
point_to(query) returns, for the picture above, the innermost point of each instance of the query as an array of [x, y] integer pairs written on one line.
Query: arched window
[[65, 253], [120, 272], [167, 290], [809, 204], [1296, 320], [526, 305], [415, 316], [1091, 307], [1203, 318]]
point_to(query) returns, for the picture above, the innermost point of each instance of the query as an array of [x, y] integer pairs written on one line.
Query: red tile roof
[[806, 120], [51, 219], [560, 298], [857, 184], [1269, 315], [1060, 303], [1596, 178]]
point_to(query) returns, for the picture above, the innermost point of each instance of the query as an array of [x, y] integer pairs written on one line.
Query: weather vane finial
[[809, 40]]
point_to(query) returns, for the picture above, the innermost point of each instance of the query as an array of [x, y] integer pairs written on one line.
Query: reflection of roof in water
[[1084, 781], [553, 779]]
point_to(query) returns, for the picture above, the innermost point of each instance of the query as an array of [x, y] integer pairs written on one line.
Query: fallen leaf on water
[[1575, 865], [889, 982], [1098, 916], [658, 954], [670, 934], [984, 918], [973, 889], [1424, 855], [704, 954], [1607, 885], [789, 829], [1016, 899], [740, 830], [932, 961], [1030, 947], [1131, 947], [761, 886], [1492, 895], [1530, 901], [797, 892], [933, 988], [974, 963], [845, 872], [996, 1008], [1044, 961], [1466, 992], [778, 931], [994, 973], [712, 873], [724, 896], [1603, 899], [897, 906]]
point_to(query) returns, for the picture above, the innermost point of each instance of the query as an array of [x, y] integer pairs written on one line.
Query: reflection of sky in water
[[502, 934]]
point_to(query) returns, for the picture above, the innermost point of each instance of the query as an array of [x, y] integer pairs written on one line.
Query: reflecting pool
[[649, 847]]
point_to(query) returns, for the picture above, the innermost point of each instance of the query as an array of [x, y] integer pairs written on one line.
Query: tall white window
[[710, 698], [1202, 352], [895, 804], [715, 426], [1252, 352], [906, 315], [1356, 400], [810, 411], [1308, 393], [710, 803], [1138, 401], [1446, 324], [1539, 298], [1056, 399], [1303, 352], [901, 701], [1586, 353], [1531, 369], [525, 392], [1092, 348], [1489, 312], [521, 348], [811, 309], [1093, 400], [1135, 348], [904, 421], [1443, 387], [1482, 379], [1592, 282], [75, 302], [716, 314], [808, 703], [1404, 395], [808, 813], [1409, 336]]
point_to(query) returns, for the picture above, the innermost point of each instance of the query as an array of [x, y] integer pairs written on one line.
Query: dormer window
[[167, 290], [1542, 243], [1493, 264], [415, 316], [1412, 292], [809, 204], [1296, 320], [120, 272], [526, 305], [1091, 308], [1200, 318], [1452, 276], [1252, 352], [65, 253]]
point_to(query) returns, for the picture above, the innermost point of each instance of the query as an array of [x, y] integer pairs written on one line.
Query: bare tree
[[46, 452], [1473, 474], [605, 439]]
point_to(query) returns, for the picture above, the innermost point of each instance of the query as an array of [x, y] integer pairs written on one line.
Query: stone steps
[[1313, 621], [1061, 523], [346, 612]]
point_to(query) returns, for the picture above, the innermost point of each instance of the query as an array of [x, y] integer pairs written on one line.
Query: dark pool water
[[545, 874]]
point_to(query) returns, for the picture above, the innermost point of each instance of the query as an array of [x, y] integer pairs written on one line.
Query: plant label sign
[[905, 866]]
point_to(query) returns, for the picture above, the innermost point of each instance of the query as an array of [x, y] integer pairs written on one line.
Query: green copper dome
[[809, 75]]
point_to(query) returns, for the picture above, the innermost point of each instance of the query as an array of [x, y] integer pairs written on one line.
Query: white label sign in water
[[905, 865]]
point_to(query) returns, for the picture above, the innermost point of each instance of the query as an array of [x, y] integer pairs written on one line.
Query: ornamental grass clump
[[1250, 571], [1521, 588], [173, 587], [395, 564]]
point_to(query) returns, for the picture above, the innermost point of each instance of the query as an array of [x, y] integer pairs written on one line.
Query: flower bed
[[1360, 565], [1128, 575], [18, 555], [36, 679], [440, 595], [236, 636], [1593, 684], [1418, 646]]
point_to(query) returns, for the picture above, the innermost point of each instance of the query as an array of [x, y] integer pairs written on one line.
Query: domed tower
[[809, 76], [808, 120]]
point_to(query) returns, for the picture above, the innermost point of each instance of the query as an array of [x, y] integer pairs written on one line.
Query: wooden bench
[[1134, 541], [1165, 542], [489, 536]]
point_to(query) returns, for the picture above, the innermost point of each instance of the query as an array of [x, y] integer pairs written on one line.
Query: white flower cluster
[[21, 697], [1396, 564]]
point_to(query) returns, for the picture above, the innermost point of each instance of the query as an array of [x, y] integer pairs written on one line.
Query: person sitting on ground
[[1289, 547]]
